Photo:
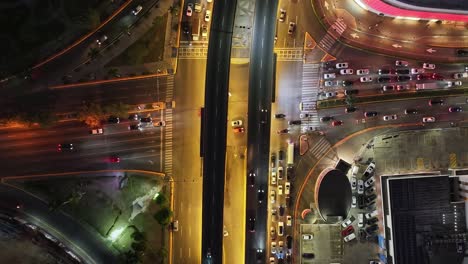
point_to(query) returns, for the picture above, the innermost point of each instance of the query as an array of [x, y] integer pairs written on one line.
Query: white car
[[327, 76], [329, 83], [389, 117], [416, 71], [353, 202], [288, 220], [307, 236], [369, 182], [346, 71], [97, 131], [360, 220], [347, 223], [458, 83], [236, 123], [189, 9], [272, 196], [401, 63], [280, 173], [430, 119], [429, 66], [137, 10], [287, 187], [280, 228], [342, 65], [291, 27], [350, 237], [207, 15], [273, 247], [362, 72], [330, 94], [460, 75], [282, 15], [365, 79], [280, 189], [304, 115], [360, 186], [353, 183], [273, 177]]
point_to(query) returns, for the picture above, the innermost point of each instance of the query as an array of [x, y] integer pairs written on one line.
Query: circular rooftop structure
[[333, 195]]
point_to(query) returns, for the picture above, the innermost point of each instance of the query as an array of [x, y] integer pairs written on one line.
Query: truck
[[290, 154], [426, 86], [196, 29]]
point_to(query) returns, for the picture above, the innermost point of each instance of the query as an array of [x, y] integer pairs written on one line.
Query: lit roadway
[[258, 140]]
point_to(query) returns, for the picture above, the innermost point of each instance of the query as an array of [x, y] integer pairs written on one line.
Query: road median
[[333, 103]]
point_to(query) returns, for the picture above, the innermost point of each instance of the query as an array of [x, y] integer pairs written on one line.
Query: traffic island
[[128, 211]]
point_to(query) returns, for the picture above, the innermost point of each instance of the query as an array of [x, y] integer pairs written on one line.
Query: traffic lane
[[128, 92]]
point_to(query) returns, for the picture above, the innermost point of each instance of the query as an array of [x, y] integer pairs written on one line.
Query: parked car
[[347, 83], [283, 131], [236, 123], [360, 220], [280, 116], [337, 123], [307, 236], [350, 109], [342, 65], [288, 220], [370, 190], [353, 183], [371, 229], [330, 83], [305, 115], [330, 94], [273, 247], [366, 79], [403, 71], [360, 187], [189, 10], [455, 109], [287, 187], [411, 111], [326, 118], [403, 78], [350, 237], [348, 222], [384, 79], [362, 72], [347, 231], [273, 177], [351, 91], [280, 228], [436, 102], [416, 71], [327, 76], [207, 15], [353, 201], [289, 241], [386, 71], [372, 221], [387, 88], [272, 196], [429, 119], [308, 255], [371, 198]]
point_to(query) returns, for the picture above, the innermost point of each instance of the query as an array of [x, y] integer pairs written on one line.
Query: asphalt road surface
[[258, 140]]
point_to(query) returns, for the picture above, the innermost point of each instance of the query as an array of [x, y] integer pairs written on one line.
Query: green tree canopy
[[163, 216]]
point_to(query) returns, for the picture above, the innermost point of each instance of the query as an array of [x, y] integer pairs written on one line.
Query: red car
[[347, 231], [337, 123], [114, 159]]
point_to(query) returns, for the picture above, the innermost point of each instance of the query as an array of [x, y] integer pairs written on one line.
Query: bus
[[290, 153]]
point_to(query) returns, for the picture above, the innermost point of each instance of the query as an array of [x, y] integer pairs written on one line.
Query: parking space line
[[453, 160]]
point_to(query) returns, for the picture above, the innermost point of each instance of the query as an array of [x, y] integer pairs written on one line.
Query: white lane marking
[[189, 252]]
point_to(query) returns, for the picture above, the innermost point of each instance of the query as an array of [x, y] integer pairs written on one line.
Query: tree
[[350, 100], [93, 19], [91, 114], [93, 53], [139, 247], [161, 199], [162, 254], [129, 257], [138, 236], [119, 109], [163, 216]]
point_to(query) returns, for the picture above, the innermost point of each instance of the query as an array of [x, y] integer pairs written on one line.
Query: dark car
[[146, 120], [436, 102], [260, 255], [436, 76], [384, 79], [386, 71], [411, 111], [370, 114], [403, 71], [289, 241], [251, 179], [281, 210], [273, 160], [326, 118], [370, 198], [404, 78], [295, 122], [370, 205], [361, 203], [113, 120], [186, 27], [260, 196], [134, 127], [455, 109], [372, 228], [280, 155], [350, 109], [283, 131], [288, 200], [114, 159], [347, 83], [351, 91], [280, 115], [337, 123], [462, 53], [133, 117], [308, 255], [65, 147], [252, 224], [372, 221], [290, 173]]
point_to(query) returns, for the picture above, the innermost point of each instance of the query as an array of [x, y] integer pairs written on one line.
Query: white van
[[175, 225], [372, 214]]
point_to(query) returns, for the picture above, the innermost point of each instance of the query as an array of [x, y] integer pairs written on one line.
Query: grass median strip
[[392, 97]]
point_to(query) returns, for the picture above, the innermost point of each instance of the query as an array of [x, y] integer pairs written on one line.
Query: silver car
[[360, 186]]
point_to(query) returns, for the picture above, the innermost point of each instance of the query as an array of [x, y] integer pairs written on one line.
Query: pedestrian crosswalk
[[310, 86], [193, 52], [168, 143], [333, 33], [170, 88], [290, 54], [320, 148]]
